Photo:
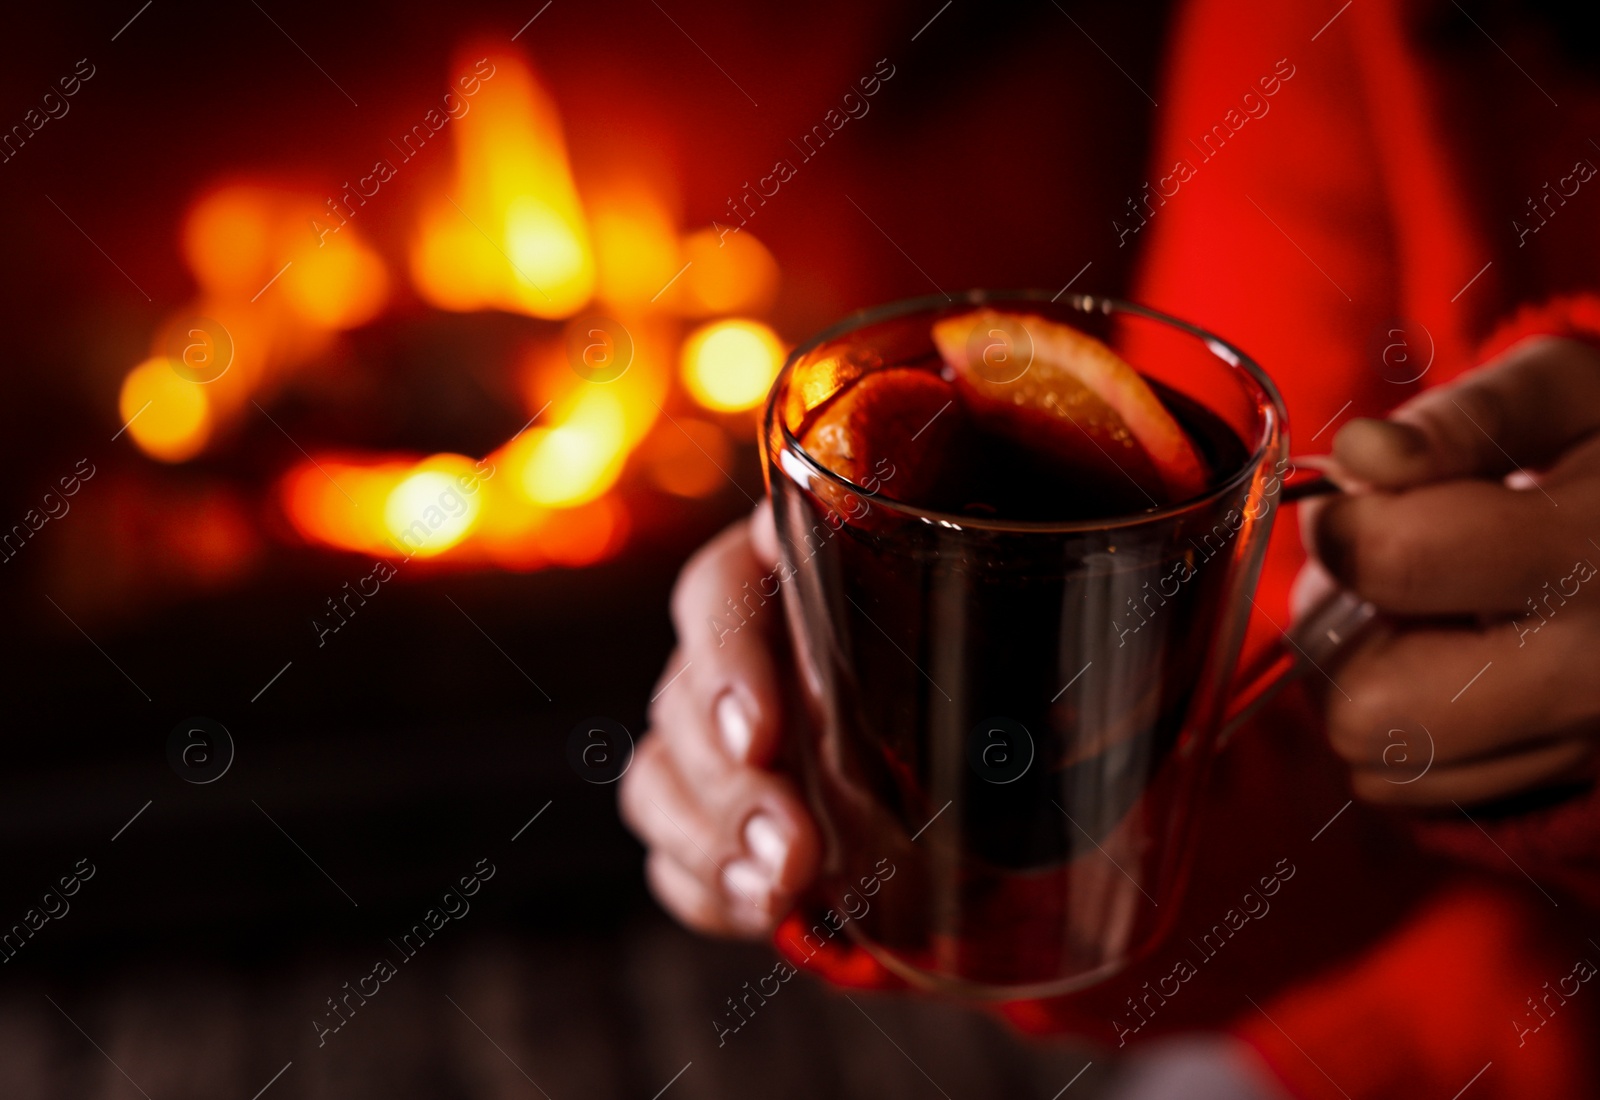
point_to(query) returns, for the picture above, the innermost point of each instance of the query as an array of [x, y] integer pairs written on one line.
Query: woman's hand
[[1476, 528], [730, 842]]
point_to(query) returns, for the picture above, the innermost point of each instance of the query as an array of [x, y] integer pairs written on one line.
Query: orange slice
[[887, 432], [1063, 390]]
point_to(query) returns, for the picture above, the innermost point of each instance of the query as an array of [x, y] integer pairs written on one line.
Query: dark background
[[408, 748]]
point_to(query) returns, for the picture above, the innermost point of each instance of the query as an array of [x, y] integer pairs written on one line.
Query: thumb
[[764, 534], [1521, 410]]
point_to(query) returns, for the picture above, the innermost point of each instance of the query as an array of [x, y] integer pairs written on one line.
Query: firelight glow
[[727, 274], [636, 244], [729, 365], [427, 512], [504, 229], [268, 292], [509, 232], [577, 461], [242, 241], [392, 507], [228, 238], [339, 286], [168, 417]]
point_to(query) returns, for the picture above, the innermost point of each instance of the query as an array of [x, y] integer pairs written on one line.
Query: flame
[[228, 239], [342, 502], [729, 365], [281, 273], [587, 428], [242, 242], [636, 243], [395, 508], [510, 233], [576, 461], [727, 273], [511, 530], [428, 512], [168, 416], [341, 285], [271, 298]]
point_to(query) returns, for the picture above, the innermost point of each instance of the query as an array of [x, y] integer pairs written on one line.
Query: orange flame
[[507, 231], [727, 273], [168, 416], [588, 423], [636, 241], [393, 508], [244, 242], [729, 365], [510, 232], [271, 298]]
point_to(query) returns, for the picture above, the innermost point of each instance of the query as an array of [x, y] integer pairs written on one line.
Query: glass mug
[[1018, 716]]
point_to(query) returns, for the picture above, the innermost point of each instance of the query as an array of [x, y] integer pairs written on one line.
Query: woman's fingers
[[1478, 693], [739, 812], [1476, 500], [1561, 761], [686, 896], [741, 834], [1524, 409], [731, 843], [725, 607], [1472, 545], [764, 535], [1452, 548]]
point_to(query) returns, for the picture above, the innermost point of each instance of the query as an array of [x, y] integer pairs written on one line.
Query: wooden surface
[[502, 1017]]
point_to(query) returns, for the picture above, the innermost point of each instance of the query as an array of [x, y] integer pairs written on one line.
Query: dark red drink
[[1009, 647]]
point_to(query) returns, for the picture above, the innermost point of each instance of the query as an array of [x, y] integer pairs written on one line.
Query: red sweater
[[1329, 182]]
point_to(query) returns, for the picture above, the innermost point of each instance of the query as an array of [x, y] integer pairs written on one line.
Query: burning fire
[[729, 365], [208, 361], [510, 232], [507, 231]]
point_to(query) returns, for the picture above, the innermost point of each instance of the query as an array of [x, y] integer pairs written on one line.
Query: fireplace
[[380, 373]]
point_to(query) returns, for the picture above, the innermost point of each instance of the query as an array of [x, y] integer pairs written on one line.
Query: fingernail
[[766, 843], [733, 724], [748, 882]]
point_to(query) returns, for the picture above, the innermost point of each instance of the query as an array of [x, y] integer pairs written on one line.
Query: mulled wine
[[1009, 609]]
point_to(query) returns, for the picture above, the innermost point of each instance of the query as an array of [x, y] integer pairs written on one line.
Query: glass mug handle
[[1331, 624]]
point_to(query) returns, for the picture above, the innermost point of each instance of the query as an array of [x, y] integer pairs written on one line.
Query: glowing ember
[[577, 461], [342, 503], [429, 512], [394, 508], [168, 416], [729, 365]]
